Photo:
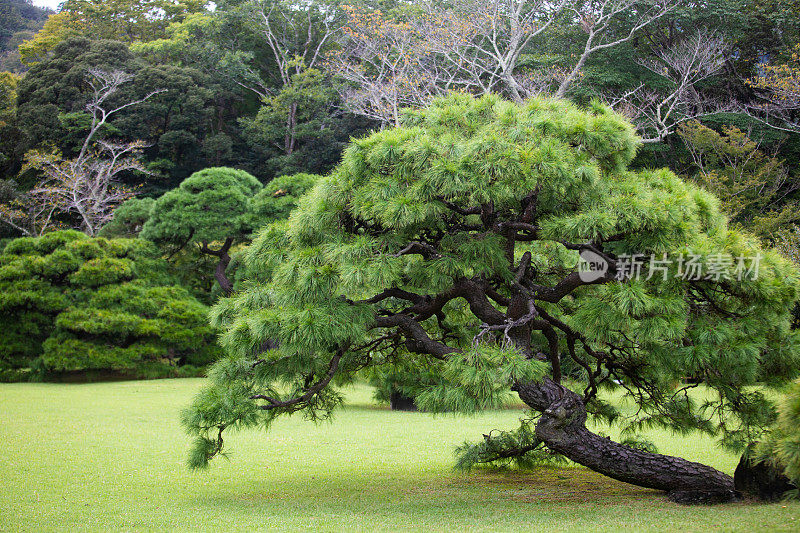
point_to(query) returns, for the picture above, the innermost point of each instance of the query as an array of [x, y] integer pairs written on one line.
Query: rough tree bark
[[224, 260], [562, 427]]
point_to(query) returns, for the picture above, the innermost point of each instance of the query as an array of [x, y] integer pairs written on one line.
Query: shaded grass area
[[111, 457]]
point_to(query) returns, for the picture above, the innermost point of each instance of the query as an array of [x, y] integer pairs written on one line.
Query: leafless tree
[[31, 218], [87, 185], [601, 20], [385, 63], [296, 33], [683, 65], [474, 45], [480, 41]]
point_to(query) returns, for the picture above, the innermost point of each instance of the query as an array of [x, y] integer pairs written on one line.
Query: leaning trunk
[[219, 274], [224, 260], [562, 427]]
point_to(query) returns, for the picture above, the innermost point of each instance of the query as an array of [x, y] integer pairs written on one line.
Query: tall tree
[[313, 140], [292, 38], [454, 240]]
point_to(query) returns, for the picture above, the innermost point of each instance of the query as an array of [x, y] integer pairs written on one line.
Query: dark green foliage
[[56, 87], [73, 303], [210, 205], [129, 218], [188, 126], [18, 16], [319, 134]]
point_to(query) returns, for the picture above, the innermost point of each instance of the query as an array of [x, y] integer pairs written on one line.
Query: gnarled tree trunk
[[562, 427], [224, 260]]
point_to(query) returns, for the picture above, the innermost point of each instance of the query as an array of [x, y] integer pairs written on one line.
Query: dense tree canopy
[[73, 303], [184, 127], [212, 205], [19, 19], [452, 242], [215, 209]]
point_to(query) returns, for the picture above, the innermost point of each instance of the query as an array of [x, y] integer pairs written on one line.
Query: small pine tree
[[219, 205], [210, 206]]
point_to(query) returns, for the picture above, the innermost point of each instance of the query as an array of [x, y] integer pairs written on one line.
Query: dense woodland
[[153, 155]]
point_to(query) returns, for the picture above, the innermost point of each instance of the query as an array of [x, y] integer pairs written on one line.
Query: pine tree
[[212, 205], [215, 209], [71, 303], [451, 243]]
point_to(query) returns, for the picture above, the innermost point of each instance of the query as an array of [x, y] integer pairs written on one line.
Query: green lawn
[[110, 457]]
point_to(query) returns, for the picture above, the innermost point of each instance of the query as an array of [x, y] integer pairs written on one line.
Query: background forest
[[126, 119]]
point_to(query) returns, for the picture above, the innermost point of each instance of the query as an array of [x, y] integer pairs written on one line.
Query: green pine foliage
[[211, 214], [129, 218], [781, 446], [73, 303], [417, 210], [518, 448], [210, 205], [279, 197]]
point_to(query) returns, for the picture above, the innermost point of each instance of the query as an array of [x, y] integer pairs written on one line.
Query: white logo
[[592, 266]]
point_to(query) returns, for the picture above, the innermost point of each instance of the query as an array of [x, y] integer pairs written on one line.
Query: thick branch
[[308, 394], [417, 339]]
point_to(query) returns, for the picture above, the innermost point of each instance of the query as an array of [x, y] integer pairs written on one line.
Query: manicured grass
[[110, 456]]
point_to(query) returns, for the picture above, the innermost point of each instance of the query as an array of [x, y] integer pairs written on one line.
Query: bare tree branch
[[683, 65], [87, 185]]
